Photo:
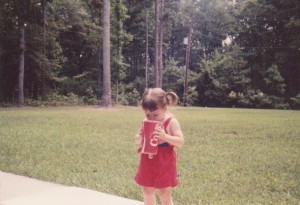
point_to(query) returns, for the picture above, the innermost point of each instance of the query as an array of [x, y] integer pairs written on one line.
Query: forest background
[[215, 53]]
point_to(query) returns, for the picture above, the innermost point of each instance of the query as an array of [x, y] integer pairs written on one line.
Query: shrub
[[251, 98], [55, 99], [133, 97], [271, 101], [295, 101]]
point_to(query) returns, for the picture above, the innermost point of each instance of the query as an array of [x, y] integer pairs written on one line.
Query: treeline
[[242, 53]]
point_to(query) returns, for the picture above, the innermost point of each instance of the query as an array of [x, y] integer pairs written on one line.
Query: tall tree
[[23, 12], [43, 22], [106, 95], [119, 39], [269, 32], [21, 64], [221, 74], [156, 55], [161, 41], [147, 45]]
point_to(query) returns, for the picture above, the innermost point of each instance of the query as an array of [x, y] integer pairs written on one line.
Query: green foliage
[[120, 38], [90, 98], [274, 81], [54, 99], [173, 80], [173, 77], [65, 56], [133, 97], [268, 40], [192, 96], [76, 36], [222, 73], [250, 98], [258, 99], [271, 101], [296, 102], [126, 94]]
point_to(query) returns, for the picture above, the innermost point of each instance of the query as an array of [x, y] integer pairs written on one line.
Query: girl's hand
[[176, 138], [138, 138], [159, 132]]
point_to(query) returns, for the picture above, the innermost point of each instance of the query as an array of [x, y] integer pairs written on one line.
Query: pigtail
[[172, 98], [155, 98]]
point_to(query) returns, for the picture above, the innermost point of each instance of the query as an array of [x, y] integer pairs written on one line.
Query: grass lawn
[[230, 156]]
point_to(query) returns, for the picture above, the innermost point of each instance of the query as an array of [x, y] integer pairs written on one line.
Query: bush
[[251, 98], [54, 99], [133, 97], [90, 98], [128, 98], [258, 99], [192, 96], [271, 101], [283, 106], [295, 102]]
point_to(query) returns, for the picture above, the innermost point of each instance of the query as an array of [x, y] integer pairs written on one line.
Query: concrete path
[[20, 190]]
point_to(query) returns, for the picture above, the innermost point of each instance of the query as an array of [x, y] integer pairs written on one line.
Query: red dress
[[160, 171]]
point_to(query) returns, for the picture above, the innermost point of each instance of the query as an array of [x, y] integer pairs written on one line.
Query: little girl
[[159, 172]]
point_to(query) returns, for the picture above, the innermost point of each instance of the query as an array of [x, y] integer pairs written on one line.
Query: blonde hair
[[155, 98]]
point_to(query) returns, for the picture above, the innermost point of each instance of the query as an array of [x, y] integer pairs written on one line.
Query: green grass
[[230, 156]]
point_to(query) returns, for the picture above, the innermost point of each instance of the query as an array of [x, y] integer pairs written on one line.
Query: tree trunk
[[106, 95], [43, 21], [147, 48], [187, 65], [21, 65], [156, 55], [161, 34]]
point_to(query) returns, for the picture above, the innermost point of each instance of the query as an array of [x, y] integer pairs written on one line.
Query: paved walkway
[[20, 190]]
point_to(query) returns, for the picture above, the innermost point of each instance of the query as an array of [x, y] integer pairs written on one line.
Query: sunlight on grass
[[231, 156]]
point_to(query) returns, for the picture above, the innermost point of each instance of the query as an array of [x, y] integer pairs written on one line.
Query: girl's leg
[[149, 195], [165, 196]]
